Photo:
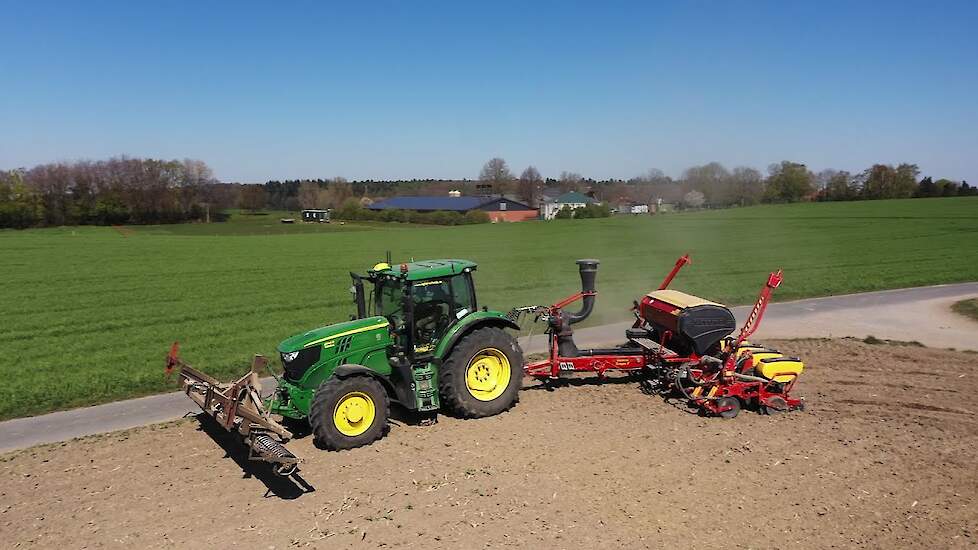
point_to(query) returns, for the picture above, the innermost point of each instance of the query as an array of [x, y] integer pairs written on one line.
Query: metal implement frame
[[653, 353], [237, 406], [713, 378]]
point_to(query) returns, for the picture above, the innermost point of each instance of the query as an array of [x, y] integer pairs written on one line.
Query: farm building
[[571, 199], [321, 216], [499, 209], [629, 207]]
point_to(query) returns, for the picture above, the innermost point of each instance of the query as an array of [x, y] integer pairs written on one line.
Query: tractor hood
[[322, 335]]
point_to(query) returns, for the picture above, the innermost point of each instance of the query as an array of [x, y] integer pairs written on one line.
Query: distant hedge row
[[353, 210], [587, 211]]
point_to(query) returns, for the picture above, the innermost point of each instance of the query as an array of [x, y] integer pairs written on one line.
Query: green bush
[[352, 210], [565, 213], [592, 211], [475, 216], [415, 217], [20, 208], [394, 215], [441, 218]]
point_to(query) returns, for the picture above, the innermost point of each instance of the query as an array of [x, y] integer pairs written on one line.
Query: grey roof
[[573, 197], [456, 204], [451, 204]]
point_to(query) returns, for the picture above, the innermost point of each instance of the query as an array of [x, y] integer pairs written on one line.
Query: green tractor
[[418, 339]]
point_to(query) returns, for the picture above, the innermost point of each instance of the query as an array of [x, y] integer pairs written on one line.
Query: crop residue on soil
[[884, 456]]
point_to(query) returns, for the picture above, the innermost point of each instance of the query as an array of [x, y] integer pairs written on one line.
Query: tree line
[[134, 190], [332, 193], [713, 185], [115, 191]]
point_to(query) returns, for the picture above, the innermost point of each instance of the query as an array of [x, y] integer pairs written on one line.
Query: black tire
[[324, 404], [455, 394]]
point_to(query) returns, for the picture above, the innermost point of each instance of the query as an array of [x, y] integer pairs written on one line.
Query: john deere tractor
[[418, 338]]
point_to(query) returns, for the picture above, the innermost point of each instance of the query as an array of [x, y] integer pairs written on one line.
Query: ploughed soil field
[[886, 455]]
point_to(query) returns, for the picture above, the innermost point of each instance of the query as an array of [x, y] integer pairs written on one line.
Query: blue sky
[[423, 89]]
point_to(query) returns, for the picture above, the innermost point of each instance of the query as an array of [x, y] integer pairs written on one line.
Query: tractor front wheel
[[349, 412], [483, 374]]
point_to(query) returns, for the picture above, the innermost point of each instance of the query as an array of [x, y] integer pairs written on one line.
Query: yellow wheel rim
[[487, 375], [354, 413]]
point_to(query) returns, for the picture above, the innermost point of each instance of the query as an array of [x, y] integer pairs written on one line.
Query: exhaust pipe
[[589, 273]]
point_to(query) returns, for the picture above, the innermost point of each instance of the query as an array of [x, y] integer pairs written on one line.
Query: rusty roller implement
[[237, 406]]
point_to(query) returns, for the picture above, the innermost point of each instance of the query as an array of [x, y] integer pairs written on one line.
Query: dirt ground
[[884, 456]]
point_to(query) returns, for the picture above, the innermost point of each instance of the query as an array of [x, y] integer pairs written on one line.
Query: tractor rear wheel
[[483, 374], [349, 412]]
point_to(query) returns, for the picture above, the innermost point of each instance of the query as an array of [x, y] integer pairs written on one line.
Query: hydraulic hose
[[685, 370], [750, 378]]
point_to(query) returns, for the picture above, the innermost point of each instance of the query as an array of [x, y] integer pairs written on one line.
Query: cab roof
[[425, 269]]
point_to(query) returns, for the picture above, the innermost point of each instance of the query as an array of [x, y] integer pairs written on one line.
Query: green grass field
[[88, 313]]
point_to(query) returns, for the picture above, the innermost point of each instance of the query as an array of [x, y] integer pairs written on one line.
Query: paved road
[[911, 314], [920, 314]]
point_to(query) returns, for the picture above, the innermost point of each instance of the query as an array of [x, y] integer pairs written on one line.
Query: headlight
[[289, 357]]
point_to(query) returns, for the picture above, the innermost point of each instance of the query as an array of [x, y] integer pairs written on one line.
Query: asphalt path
[[913, 314]]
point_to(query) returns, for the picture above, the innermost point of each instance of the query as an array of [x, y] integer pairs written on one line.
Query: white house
[[572, 200]]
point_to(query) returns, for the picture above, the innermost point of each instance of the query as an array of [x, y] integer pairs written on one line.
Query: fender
[[469, 323], [401, 392]]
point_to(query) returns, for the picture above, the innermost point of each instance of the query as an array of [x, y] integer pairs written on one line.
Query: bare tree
[[746, 186], [618, 192], [571, 181], [653, 186], [653, 176], [335, 194], [840, 186], [253, 197], [308, 194], [529, 185], [194, 175], [882, 181], [712, 180], [496, 173]]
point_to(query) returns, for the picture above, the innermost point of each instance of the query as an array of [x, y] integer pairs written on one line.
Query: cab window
[[389, 299], [462, 295], [432, 310]]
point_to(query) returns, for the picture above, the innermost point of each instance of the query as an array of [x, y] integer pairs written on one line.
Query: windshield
[[389, 299]]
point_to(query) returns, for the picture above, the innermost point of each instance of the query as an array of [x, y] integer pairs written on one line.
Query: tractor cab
[[421, 300]]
